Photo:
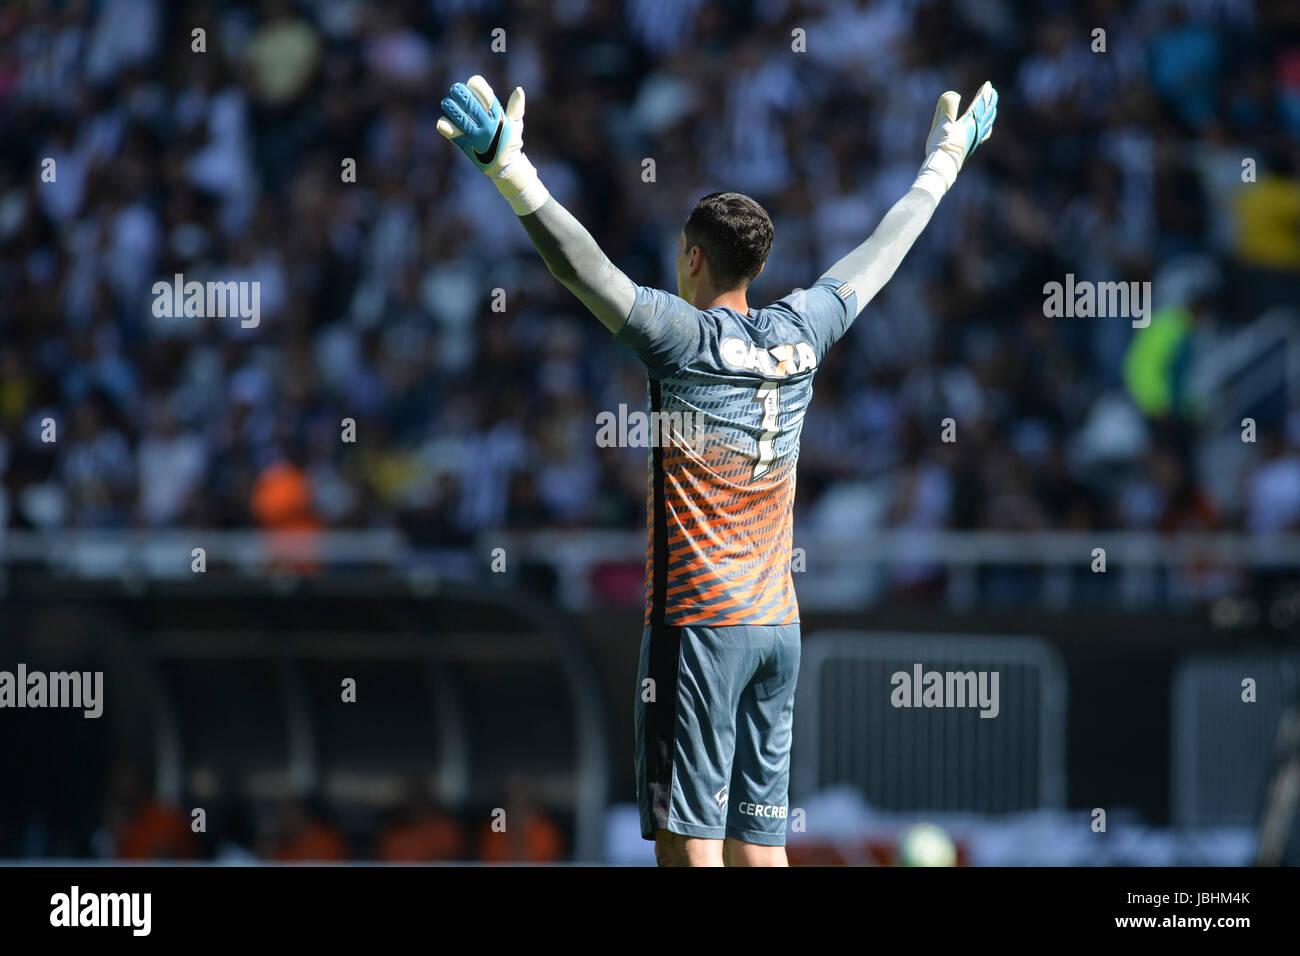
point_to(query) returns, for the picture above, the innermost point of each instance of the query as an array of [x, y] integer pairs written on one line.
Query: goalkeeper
[[719, 656]]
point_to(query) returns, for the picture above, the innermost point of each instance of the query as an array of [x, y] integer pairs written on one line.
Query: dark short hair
[[735, 234]]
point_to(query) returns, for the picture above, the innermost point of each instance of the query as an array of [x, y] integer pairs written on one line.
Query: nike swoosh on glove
[[493, 139]]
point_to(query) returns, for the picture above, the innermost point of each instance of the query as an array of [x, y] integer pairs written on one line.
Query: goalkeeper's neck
[[705, 299]]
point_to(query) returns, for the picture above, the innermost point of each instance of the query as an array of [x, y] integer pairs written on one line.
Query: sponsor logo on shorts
[[721, 797], [761, 810]]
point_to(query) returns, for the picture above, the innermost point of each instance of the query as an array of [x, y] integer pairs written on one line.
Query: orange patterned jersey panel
[[728, 538]]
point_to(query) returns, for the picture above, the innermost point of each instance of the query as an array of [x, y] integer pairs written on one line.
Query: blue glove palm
[[477, 125], [493, 139], [952, 139], [979, 116]]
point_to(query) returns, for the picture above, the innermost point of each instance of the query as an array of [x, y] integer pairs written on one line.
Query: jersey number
[[769, 394]]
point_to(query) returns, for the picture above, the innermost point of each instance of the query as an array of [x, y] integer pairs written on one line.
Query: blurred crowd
[[222, 155], [134, 823], [145, 139]]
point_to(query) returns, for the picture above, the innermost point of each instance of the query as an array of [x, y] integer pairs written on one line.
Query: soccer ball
[[926, 845]]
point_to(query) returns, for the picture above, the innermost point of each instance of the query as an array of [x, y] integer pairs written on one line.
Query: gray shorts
[[713, 745]]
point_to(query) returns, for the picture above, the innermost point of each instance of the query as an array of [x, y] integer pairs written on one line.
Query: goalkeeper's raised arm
[[868, 267], [492, 138]]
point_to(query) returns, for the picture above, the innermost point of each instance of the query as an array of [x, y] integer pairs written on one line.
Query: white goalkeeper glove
[[493, 139], [952, 139]]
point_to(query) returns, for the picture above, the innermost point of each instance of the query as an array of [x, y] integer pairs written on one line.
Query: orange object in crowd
[[437, 838], [155, 832], [538, 840], [281, 502], [314, 843]]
